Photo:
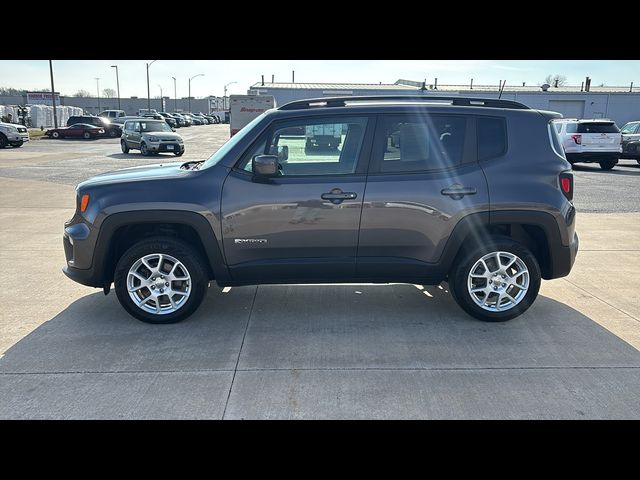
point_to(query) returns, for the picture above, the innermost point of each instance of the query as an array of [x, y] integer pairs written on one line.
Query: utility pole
[[224, 97], [198, 75], [161, 99], [175, 95], [98, 88], [53, 97], [118, 84], [148, 89]]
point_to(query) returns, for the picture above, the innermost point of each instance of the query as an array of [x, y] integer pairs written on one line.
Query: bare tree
[[82, 93], [556, 80], [109, 93]]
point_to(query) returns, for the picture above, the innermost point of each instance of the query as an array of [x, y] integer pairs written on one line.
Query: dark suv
[[475, 192], [110, 129]]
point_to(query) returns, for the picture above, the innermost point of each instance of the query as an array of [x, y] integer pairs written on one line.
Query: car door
[[423, 178], [132, 135], [630, 133], [303, 224], [74, 130]]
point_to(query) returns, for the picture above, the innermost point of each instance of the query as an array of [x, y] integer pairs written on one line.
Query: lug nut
[[153, 287], [166, 284], [153, 279], [162, 290], [162, 277]]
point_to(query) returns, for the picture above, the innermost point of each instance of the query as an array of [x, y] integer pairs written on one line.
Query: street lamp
[[117, 83], [148, 89], [161, 99], [175, 95], [98, 88], [199, 75], [224, 97]]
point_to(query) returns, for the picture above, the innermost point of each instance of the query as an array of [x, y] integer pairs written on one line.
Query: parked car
[[590, 141], [631, 140], [478, 194], [150, 136], [13, 134], [112, 114], [157, 116], [171, 120], [109, 128], [77, 130], [201, 117], [186, 119], [194, 120], [212, 119]]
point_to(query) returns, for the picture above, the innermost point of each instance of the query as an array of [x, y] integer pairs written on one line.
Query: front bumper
[[78, 240], [170, 147]]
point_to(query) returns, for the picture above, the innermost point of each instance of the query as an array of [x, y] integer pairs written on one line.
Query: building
[[621, 104]]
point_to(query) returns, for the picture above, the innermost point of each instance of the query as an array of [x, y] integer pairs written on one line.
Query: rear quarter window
[[491, 136]]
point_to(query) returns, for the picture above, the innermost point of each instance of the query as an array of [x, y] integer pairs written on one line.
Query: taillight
[[577, 139], [566, 184]]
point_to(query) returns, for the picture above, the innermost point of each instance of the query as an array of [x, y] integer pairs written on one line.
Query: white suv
[[12, 134], [590, 141]]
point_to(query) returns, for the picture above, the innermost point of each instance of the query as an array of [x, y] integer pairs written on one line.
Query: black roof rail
[[455, 100]]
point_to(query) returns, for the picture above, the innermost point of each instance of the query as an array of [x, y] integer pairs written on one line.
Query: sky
[[73, 75]]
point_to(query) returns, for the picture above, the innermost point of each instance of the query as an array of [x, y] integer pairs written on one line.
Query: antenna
[[504, 82]]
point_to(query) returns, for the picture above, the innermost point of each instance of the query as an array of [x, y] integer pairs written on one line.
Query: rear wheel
[[160, 280], [608, 164], [496, 282], [55, 135], [124, 146], [113, 133]]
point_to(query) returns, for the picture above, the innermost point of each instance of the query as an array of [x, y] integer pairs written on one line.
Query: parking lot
[[308, 351]]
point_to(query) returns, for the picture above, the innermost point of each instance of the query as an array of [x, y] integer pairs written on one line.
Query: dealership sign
[[41, 98]]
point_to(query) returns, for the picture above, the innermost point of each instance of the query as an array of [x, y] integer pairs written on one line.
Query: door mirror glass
[[265, 165]]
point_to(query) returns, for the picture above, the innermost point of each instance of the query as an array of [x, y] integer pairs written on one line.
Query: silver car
[[150, 136]]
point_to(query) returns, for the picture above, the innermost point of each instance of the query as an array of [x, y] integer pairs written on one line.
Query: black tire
[[144, 151], [608, 164], [124, 146], [3, 141], [184, 253], [17, 145], [178, 153], [56, 135], [86, 135], [113, 133], [460, 272]]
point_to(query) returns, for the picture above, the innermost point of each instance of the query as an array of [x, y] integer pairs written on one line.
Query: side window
[[572, 127], [558, 127], [630, 128], [414, 143], [492, 137], [327, 146]]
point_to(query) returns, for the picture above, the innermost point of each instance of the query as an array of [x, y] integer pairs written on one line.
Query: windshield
[[155, 127], [232, 142]]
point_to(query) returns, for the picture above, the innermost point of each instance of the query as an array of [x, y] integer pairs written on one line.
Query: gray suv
[[474, 192], [150, 136]]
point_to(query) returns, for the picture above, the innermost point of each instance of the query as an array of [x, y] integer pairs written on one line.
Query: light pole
[[224, 97], [53, 97], [98, 88], [161, 99], [199, 75], [148, 89], [175, 95], [117, 83]]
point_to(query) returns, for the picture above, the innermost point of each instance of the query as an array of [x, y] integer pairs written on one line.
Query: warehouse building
[[621, 104]]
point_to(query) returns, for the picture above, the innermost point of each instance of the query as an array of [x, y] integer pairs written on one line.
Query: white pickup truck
[[13, 134], [590, 141]]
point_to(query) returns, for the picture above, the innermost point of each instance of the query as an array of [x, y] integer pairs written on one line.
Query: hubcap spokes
[[498, 281], [159, 284]]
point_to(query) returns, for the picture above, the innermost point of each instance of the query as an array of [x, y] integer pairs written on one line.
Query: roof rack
[[326, 102]]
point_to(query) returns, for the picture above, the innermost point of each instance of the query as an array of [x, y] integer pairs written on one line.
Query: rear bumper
[[589, 157], [563, 258]]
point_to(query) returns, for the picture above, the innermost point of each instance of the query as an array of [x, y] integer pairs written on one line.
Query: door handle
[[456, 192], [337, 196]]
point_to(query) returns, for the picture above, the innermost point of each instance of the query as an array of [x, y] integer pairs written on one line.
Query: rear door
[[599, 136], [423, 178]]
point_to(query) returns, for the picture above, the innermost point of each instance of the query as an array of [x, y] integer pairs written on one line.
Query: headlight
[[180, 140], [153, 139]]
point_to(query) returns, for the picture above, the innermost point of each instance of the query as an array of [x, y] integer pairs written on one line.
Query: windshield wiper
[[193, 164]]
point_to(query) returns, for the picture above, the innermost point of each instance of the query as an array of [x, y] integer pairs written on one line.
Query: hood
[[161, 171], [163, 135], [3, 124]]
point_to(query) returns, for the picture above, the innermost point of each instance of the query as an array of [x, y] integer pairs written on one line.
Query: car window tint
[[603, 127], [572, 127], [422, 142], [558, 127], [492, 137]]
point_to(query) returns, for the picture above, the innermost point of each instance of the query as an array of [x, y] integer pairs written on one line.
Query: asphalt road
[[72, 161]]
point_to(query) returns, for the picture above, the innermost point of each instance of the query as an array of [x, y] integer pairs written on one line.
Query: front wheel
[[86, 135], [608, 164], [3, 141], [178, 153], [143, 149], [113, 133], [496, 282], [124, 146], [17, 144], [160, 280]]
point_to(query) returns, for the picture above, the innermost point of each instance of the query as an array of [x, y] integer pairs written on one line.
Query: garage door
[[568, 108]]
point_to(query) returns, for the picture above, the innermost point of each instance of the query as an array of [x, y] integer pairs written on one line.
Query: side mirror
[[173, 129], [265, 165], [283, 153]]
